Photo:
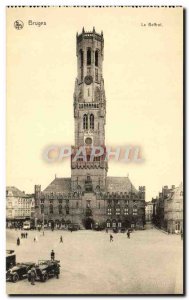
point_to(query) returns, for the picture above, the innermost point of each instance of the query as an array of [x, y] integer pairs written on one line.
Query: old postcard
[[94, 191]]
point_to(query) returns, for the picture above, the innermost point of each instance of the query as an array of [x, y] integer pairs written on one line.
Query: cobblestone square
[[149, 262]]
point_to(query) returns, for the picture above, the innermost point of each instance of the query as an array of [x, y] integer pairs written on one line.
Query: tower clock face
[[88, 79], [88, 141]]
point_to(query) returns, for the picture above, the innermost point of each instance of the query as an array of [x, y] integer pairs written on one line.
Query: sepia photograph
[[94, 150]]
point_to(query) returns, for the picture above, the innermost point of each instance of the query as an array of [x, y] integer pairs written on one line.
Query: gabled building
[[173, 210], [19, 206], [168, 209], [90, 197], [149, 211]]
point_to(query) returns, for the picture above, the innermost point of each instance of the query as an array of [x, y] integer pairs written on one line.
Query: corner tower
[[89, 112]]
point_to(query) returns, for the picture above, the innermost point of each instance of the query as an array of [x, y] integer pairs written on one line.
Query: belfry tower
[[89, 113], [90, 199]]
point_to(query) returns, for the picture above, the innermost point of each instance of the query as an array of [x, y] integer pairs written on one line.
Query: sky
[[142, 71]]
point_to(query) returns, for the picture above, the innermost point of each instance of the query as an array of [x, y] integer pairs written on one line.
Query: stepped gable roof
[[119, 184], [15, 192], [59, 185]]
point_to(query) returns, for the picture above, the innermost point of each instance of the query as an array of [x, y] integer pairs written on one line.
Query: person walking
[[111, 238], [128, 234], [33, 275], [18, 241], [61, 239], [52, 255], [34, 239], [26, 235]]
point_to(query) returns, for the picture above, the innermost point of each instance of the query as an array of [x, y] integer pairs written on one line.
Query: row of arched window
[[88, 121], [88, 57]]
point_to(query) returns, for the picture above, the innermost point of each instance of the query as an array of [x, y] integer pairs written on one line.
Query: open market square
[[91, 264]]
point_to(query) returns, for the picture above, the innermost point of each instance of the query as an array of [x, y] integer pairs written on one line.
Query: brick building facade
[[90, 197]]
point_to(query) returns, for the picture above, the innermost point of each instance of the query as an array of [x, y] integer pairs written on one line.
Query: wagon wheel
[[15, 277]]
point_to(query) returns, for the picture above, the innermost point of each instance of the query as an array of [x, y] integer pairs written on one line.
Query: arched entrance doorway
[[88, 223]]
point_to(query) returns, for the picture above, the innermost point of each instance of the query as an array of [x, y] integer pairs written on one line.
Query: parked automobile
[[19, 271], [10, 259], [73, 227], [46, 269]]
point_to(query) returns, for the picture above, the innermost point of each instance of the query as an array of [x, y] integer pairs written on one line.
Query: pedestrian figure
[[33, 275], [43, 233], [128, 234], [18, 241], [34, 239], [111, 238], [11, 265], [61, 239], [52, 255], [26, 235], [106, 230]]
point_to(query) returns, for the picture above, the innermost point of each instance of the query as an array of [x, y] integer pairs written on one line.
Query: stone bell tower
[[89, 113]]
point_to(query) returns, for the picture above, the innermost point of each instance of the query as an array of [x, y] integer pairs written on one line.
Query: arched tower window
[[85, 122], [96, 58], [91, 121], [81, 58], [89, 57]]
